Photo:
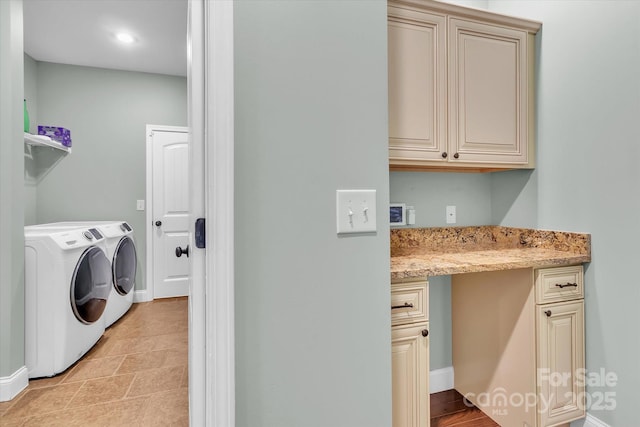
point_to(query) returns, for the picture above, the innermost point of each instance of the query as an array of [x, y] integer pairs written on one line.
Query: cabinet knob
[[548, 313], [425, 332], [455, 156], [444, 155]]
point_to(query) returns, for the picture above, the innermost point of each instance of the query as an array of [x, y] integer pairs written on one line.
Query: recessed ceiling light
[[125, 38]]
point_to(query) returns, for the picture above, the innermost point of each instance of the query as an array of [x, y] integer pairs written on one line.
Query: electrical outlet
[[451, 215], [411, 215], [356, 211]]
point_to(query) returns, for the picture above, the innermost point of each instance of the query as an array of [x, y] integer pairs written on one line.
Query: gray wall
[[429, 193], [514, 198], [587, 174], [312, 309], [107, 112], [11, 189], [31, 95]]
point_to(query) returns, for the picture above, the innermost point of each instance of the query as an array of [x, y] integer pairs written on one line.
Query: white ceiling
[[81, 32]]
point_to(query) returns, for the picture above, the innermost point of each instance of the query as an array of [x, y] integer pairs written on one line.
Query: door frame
[[148, 293], [210, 81]]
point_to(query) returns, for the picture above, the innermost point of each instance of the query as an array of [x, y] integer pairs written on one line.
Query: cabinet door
[[488, 113], [560, 358], [410, 375], [417, 85]]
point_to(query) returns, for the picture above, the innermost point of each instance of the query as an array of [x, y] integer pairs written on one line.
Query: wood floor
[[448, 408], [136, 375]]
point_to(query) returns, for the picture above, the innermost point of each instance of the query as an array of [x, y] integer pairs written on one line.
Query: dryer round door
[[90, 285], [124, 266]]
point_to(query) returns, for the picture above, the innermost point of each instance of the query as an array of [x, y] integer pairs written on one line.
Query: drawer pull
[[548, 313], [425, 332], [558, 285], [406, 305]]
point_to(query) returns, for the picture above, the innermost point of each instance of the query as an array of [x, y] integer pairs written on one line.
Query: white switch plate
[[356, 211], [451, 214], [140, 205]]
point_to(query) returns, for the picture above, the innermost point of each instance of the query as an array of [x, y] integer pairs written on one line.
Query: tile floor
[[136, 375]]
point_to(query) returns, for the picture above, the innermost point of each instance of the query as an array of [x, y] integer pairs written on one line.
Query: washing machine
[[121, 251], [67, 284]]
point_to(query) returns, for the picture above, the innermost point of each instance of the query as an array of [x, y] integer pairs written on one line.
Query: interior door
[[170, 211]]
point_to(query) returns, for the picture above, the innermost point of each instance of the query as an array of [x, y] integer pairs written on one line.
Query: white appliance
[[67, 283], [121, 251]]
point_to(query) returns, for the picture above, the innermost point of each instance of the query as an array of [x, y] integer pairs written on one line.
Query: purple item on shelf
[[62, 135]]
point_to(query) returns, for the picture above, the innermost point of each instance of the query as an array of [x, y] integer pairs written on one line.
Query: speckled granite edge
[[490, 237], [421, 252]]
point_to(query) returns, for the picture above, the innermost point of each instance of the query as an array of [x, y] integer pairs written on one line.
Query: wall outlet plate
[[356, 211], [451, 215]]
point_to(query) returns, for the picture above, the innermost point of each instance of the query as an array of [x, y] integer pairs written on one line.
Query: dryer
[[67, 284], [121, 251]]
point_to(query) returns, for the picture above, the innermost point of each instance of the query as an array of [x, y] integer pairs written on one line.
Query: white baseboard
[[441, 379], [13, 384], [142, 296], [589, 421]]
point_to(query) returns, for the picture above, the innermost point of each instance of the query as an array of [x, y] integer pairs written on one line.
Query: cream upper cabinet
[[460, 88], [417, 85], [488, 99]]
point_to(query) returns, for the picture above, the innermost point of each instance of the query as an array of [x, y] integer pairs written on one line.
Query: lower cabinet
[[560, 348], [410, 375], [516, 355], [518, 346], [410, 354]]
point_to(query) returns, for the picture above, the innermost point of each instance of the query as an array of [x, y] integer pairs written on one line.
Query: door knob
[[180, 251], [158, 223]]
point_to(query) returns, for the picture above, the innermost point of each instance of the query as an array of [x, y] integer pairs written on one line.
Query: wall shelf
[[41, 155]]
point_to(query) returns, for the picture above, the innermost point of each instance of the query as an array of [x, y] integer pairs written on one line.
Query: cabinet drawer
[[559, 284], [409, 303]]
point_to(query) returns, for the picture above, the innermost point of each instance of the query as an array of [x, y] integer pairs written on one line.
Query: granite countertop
[[421, 252]]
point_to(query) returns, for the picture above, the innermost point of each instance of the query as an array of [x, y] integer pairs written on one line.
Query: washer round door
[[90, 285], [124, 265]]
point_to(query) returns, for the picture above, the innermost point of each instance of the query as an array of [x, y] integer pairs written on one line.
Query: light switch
[[140, 205], [356, 211]]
